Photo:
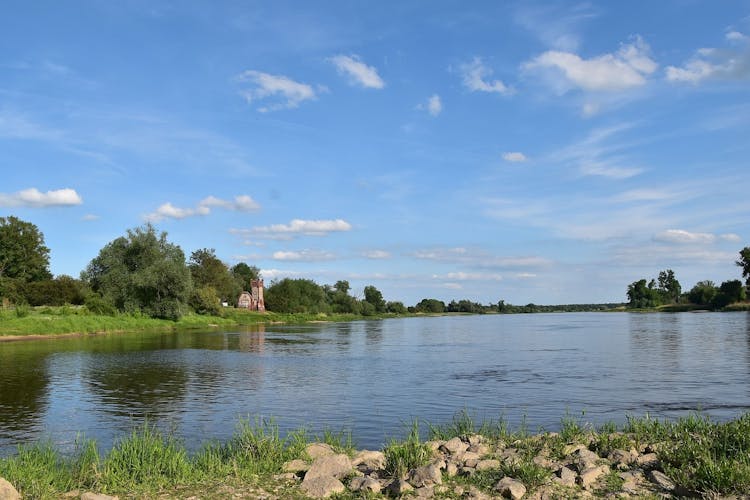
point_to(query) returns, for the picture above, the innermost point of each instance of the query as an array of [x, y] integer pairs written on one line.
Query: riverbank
[[646, 458]]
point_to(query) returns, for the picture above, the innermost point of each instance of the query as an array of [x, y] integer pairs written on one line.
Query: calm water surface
[[373, 377]]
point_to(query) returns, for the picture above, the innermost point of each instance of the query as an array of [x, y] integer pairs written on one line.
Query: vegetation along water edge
[[645, 458]]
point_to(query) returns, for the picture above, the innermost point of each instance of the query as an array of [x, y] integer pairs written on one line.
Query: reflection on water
[[373, 377]]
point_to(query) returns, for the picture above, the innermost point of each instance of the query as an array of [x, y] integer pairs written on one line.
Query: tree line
[[666, 290], [143, 273]]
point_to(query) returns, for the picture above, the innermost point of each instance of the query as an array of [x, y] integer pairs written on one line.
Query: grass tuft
[[403, 456]]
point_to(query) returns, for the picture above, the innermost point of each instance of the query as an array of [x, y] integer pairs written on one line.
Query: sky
[[545, 152]]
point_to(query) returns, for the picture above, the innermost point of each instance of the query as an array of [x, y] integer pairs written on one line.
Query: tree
[[295, 296], [669, 287], [339, 299], [702, 293], [642, 295], [396, 307], [744, 263], [245, 274], [430, 306], [208, 271], [23, 255], [374, 297], [729, 293], [142, 272]]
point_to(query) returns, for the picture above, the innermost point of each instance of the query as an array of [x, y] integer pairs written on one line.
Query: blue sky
[[547, 152]]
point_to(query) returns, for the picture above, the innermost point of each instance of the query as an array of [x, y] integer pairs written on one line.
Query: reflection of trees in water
[[656, 336], [373, 332], [253, 339], [142, 386], [23, 389]]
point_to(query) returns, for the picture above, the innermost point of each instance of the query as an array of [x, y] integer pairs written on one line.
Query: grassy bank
[[703, 457], [43, 321]]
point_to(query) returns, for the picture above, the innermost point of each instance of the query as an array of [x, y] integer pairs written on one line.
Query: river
[[373, 377]]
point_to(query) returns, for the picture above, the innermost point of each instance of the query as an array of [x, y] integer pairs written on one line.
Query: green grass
[[402, 456]]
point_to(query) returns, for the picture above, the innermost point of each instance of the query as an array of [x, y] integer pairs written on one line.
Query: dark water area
[[374, 377]]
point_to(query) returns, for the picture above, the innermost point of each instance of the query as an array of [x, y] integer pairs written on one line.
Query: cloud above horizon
[[476, 78], [297, 227], [730, 63], [358, 72], [241, 203], [280, 90], [33, 198]]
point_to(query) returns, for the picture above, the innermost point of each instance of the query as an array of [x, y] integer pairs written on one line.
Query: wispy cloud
[[597, 154], [297, 227], [358, 72], [281, 91], [729, 63], [476, 78], [376, 254], [556, 25], [34, 198], [627, 68], [514, 157], [479, 259], [241, 203], [304, 255], [682, 236], [434, 106]]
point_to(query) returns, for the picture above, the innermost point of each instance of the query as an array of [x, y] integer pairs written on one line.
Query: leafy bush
[[96, 304]]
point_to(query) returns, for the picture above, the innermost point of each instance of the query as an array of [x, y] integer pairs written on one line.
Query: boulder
[[661, 480], [337, 466], [322, 486], [369, 460], [316, 450], [96, 496], [510, 488], [451, 469], [454, 446], [424, 492], [7, 491], [295, 466], [398, 487], [427, 475], [585, 458], [365, 484], [589, 475], [648, 461], [566, 476]]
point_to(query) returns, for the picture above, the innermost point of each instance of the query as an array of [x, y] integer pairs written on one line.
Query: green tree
[[702, 293], [641, 294], [669, 287], [729, 293], [430, 306], [396, 307], [208, 271], [245, 273], [295, 296], [339, 299], [23, 255], [744, 263], [142, 272], [374, 297]]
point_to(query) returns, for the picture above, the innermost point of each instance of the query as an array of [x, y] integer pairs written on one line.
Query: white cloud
[[625, 69], [283, 92], [434, 105], [514, 157], [715, 64], [594, 155], [304, 255], [463, 276], [299, 226], [376, 254], [90, 217], [475, 78], [686, 237], [358, 72], [32, 197], [272, 274], [241, 203], [479, 259]]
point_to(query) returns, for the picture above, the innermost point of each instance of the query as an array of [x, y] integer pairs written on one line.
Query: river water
[[373, 377]]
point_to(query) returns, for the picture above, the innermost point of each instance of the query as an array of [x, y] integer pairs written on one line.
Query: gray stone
[[475, 439], [488, 464], [322, 486], [661, 480], [296, 466], [286, 476], [365, 484], [316, 450], [424, 492], [470, 455], [510, 488], [585, 458], [425, 476], [7, 491], [588, 476], [648, 461], [454, 446], [566, 476], [370, 460], [476, 494], [481, 449], [96, 496], [337, 466], [398, 487], [620, 457], [451, 469]]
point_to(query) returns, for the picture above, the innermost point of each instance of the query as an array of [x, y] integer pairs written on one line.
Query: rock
[[621, 457], [510, 488], [470, 455], [316, 450], [566, 476], [398, 487], [572, 448], [365, 484], [475, 439], [424, 492], [480, 449], [286, 476], [425, 476], [661, 480], [95, 496], [488, 464], [434, 445], [454, 446], [337, 466], [451, 469], [471, 463], [648, 461], [476, 494], [510, 456], [295, 466], [7, 491], [588, 476], [585, 458], [370, 460], [322, 486]]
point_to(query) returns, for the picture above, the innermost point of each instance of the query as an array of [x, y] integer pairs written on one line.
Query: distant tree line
[[666, 290]]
